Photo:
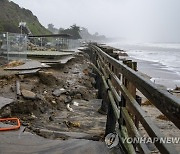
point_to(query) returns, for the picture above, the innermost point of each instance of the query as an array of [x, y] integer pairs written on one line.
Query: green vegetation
[[87, 36], [11, 14], [77, 32], [73, 30], [52, 29]]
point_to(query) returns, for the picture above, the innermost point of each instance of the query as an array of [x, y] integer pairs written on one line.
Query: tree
[[50, 26], [52, 29], [61, 30], [73, 31], [75, 28], [96, 34]]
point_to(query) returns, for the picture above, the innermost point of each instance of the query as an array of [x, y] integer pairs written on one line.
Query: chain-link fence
[[13, 45], [17, 46], [74, 44], [52, 44]]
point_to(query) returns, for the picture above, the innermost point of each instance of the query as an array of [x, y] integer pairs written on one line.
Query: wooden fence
[[120, 83]]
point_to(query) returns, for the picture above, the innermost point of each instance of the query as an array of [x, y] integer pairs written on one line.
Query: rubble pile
[[47, 98], [34, 47]]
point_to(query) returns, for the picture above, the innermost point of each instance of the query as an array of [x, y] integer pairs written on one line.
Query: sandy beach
[[166, 79]]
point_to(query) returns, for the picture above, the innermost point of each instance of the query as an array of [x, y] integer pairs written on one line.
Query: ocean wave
[[163, 56]]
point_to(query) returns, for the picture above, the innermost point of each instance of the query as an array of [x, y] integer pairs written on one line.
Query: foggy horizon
[[143, 20]]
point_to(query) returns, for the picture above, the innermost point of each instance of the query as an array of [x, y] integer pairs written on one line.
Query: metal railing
[[120, 80]]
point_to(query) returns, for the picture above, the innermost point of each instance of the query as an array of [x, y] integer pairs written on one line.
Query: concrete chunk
[[58, 92], [5, 101]]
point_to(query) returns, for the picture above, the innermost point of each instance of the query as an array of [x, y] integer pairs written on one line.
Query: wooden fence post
[[102, 94], [111, 120], [136, 120]]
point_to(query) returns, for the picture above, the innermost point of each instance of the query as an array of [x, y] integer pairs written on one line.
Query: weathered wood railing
[[119, 81]]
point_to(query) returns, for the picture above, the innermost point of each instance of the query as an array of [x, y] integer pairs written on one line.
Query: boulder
[[28, 94]]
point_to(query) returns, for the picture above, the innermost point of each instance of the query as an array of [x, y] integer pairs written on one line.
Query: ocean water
[[161, 61]]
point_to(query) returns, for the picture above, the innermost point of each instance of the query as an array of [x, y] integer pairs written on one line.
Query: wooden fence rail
[[120, 80]]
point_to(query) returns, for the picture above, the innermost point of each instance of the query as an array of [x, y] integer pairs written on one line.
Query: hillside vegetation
[[77, 32], [11, 14]]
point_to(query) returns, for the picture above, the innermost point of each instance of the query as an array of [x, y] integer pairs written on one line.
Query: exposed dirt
[[56, 99]]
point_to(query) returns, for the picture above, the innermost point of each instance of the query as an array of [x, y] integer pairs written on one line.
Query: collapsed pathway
[[58, 103]]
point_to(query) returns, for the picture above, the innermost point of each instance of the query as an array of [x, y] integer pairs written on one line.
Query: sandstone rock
[[47, 78], [28, 94], [14, 63]]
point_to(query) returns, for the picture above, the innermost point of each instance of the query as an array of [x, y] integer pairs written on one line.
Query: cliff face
[[11, 14]]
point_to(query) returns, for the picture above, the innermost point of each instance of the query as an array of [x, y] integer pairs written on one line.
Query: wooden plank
[[111, 98], [123, 135], [136, 120], [105, 83], [131, 88], [100, 65], [165, 102], [130, 125], [114, 106], [18, 88], [62, 60], [40, 53], [29, 65], [152, 130], [133, 130], [96, 69], [28, 72], [114, 92], [111, 120]]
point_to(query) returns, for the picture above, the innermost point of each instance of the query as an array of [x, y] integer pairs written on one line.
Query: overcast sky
[[142, 20]]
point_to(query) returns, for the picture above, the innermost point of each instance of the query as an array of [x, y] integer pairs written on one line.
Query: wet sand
[[158, 73]]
